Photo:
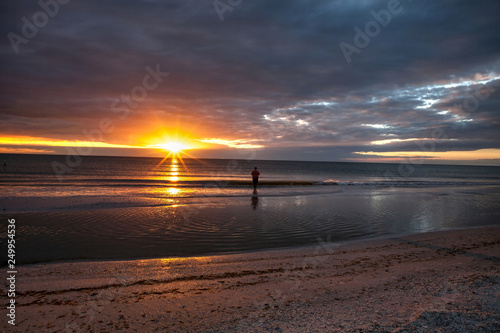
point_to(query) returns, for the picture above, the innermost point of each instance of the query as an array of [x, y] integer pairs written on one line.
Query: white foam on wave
[[403, 183], [329, 182]]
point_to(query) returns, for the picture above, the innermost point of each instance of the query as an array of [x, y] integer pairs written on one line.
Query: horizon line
[[426, 162]]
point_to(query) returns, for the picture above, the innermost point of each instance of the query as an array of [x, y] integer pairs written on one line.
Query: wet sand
[[443, 281]]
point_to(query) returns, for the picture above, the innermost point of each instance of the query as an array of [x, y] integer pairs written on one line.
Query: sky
[[360, 81]]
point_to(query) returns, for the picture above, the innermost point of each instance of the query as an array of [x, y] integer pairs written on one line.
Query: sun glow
[[174, 143], [173, 147], [175, 151]]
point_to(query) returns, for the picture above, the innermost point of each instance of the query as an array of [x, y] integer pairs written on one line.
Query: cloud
[[271, 71], [8, 150], [240, 144], [480, 154]]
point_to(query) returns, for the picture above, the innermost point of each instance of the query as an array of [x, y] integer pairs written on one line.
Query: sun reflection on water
[[174, 171], [173, 190]]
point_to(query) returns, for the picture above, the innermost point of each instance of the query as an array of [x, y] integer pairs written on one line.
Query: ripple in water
[[237, 224]]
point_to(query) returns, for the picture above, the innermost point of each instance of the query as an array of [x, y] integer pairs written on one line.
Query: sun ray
[[174, 152]]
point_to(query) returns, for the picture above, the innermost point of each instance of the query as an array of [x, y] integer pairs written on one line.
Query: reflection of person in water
[[255, 202], [255, 177]]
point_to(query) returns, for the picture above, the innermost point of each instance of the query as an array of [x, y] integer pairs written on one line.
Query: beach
[[440, 281]]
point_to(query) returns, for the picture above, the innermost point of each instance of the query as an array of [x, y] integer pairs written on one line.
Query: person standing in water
[[255, 177]]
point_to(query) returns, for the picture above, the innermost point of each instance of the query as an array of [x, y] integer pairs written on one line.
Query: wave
[[223, 183], [404, 183]]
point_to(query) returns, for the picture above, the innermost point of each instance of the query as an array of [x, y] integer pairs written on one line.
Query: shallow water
[[206, 225]]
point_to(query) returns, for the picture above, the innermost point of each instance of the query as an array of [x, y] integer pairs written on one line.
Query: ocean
[[92, 207]]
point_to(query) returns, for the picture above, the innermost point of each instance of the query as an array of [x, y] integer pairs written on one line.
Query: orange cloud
[[239, 143], [481, 154], [8, 150], [36, 141]]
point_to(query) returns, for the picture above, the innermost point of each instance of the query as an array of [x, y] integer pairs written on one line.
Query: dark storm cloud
[[271, 70]]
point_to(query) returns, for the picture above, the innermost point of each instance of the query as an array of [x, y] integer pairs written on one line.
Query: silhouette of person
[[255, 177]]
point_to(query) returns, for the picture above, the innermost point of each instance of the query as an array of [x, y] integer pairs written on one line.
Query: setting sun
[[174, 141], [173, 147]]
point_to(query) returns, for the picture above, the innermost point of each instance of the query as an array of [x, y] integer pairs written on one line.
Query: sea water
[[53, 176], [124, 207]]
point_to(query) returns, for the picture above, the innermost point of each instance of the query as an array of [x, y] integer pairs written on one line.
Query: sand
[[444, 281]]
